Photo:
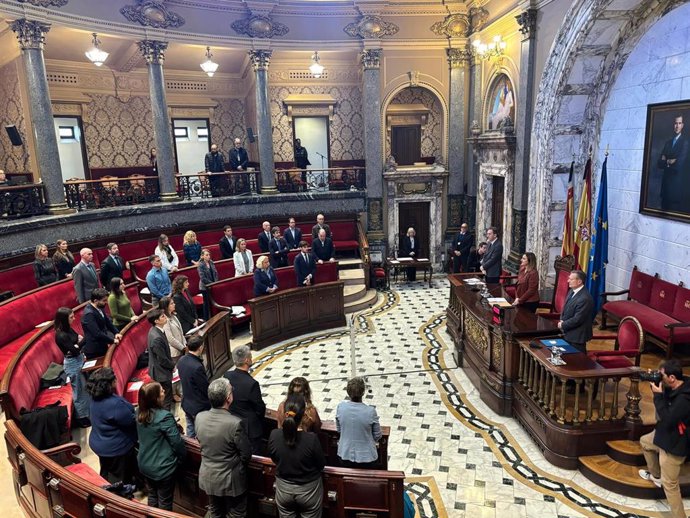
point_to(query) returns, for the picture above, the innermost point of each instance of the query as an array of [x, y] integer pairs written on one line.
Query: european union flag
[[599, 253]]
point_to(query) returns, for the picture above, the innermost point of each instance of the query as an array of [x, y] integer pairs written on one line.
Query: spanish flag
[[568, 234], [583, 227]]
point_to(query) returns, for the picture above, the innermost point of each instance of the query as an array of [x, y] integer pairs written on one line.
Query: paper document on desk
[[472, 281], [405, 259], [195, 329], [496, 300], [237, 310], [395, 262], [425, 259]]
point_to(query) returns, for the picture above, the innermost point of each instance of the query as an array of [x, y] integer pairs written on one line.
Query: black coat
[[99, 332], [577, 317], [304, 268], [227, 249], [161, 364], [194, 384], [111, 268], [264, 240], [247, 402], [406, 248], [238, 158], [323, 251], [292, 242], [279, 253], [186, 311], [672, 408]]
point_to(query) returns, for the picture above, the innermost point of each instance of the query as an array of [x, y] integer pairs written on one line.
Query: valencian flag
[[568, 233], [599, 255], [583, 227]]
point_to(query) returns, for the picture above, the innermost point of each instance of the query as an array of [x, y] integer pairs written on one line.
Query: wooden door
[[415, 215], [406, 144], [497, 203]]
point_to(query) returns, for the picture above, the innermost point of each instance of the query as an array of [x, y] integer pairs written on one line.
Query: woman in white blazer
[[244, 263], [168, 256]]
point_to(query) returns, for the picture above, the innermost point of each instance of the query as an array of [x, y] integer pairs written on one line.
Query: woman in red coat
[[527, 288]]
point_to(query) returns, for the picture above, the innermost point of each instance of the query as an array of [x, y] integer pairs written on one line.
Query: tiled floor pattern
[[483, 465]]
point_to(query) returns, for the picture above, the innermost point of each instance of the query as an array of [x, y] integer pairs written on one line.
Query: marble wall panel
[[346, 128], [556, 227], [432, 144], [565, 146], [12, 159], [560, 187], [572, 109], [585, 69]]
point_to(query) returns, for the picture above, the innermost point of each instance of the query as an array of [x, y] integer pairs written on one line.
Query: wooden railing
[[321, 180], [18, 201], [213, 185], [111, 192]]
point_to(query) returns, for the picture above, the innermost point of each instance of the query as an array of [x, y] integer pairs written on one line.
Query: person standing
[[239, 158], [461, 249], [264, 237], [194, 383], [99, 331], [323, 248], [247, 402], [225, 453], [305, 266], [673, 165], [359, 429], [527, 287], [161, 365], [63, 260], [158, 280], [70, 342], [214, 162], [191, 248], [242, 259], [320, 224], [476, 256], [85, 276], [576, 317], [278, 249], [492, 262], [666, 447], [166, 252], [207, 275], [44, 267], [112, 266], [176, 338], [299, 463], [265, 280], [292, 234], [120, 306], [301, 159], [410, 248], [184, 303], [227, 243]]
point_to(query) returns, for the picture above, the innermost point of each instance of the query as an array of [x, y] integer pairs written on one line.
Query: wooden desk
[[296, 311], [396, 265]]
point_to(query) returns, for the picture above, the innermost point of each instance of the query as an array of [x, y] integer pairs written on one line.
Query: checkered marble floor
[[461, 459]]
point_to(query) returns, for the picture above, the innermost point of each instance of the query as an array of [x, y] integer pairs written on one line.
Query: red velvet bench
[[122, 358]]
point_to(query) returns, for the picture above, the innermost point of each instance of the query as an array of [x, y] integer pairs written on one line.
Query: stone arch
[[589, 50]]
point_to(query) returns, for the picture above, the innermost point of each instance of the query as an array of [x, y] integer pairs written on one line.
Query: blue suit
[[263, 280], [292, 241], [304, 268]]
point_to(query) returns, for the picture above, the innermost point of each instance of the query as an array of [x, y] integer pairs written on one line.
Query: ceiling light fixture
[[316, 68], [209, 66], [96, 55], [493, 50]]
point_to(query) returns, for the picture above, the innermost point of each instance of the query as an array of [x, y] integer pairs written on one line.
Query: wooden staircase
[[617, 471], [357, 296]]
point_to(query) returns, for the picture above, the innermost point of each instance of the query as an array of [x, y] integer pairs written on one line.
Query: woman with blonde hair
[[311, 422], [192, 248], [63, 260], [44, 268], [265, 280], [527, 287], [242, 258]]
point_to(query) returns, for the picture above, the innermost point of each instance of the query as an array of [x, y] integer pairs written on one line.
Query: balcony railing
[[214, 185], [111, 192], [321, 180], [21, 201]]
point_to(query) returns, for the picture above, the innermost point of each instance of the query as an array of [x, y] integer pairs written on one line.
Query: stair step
[[354, 292], [626, 452], [352, 276], [624, 479], [368, 300], [346, 264]]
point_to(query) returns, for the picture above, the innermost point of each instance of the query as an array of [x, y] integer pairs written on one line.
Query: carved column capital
[[30, 33], [153, 51], [371, 58], [458, 58], [528, 22], [260, 58]]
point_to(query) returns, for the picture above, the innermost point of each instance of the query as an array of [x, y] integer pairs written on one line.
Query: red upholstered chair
[[629, 342], [563, 267]]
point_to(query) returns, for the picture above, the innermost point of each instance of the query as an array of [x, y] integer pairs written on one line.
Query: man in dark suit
[[673, 165], [227, 451], [461, 249], [99, 331], [247, 402], [320, 219], [85, 276], [238, 157], [323, 248], [305, 266], [112, 266], [264, 237], [576, 317], [194, 383], [410, 248], [161, 364], [476, 255], [492, 262], [228, 243], [278, 249], [292, 235]]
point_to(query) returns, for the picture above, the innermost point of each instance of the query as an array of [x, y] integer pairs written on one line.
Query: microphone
[[320, 155]]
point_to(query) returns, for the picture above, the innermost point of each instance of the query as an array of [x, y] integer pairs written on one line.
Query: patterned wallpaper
[[227, 123], [346, 129], [117, 133], [431, 135], [12, 159]]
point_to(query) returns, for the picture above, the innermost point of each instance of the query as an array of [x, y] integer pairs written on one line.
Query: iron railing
[[214, 185], [321, 180], [22, 201], [111, 192]]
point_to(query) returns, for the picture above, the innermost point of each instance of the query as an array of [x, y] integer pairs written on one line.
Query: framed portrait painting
[[665, 189], [501, 103]]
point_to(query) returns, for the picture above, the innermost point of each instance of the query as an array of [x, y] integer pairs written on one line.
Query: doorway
[[191, 138], [415, 215], [314, 135], [71, 148], [497, 202], [406, 144]]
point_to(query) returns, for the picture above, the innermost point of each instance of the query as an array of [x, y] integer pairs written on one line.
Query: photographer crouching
[[666, 447]]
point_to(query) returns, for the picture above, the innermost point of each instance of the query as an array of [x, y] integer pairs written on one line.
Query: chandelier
[[316, 68], [209, 66], [493, 50], [96, 55]]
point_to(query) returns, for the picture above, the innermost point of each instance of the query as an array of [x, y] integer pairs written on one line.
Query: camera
[[653, 376]]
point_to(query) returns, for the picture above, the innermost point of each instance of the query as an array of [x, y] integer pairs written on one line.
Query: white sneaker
[[648, 476]]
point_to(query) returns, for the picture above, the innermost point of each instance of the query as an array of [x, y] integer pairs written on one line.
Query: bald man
[[85, 276]]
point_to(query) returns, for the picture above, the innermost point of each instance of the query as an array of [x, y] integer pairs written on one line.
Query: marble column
[[458, 61], [373, 147], [523, 134], [260, 60], [154, 54], [31, 35], [471, 164]]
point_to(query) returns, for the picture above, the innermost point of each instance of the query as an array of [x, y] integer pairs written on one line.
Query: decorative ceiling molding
[[45, 3], [259, 26], [478, 17], [453, 26], [370, 27], [152, 13]]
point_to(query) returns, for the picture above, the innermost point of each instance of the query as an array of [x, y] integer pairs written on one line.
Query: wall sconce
[[96, 55], [209, 66], [316, 68], [493, 50]]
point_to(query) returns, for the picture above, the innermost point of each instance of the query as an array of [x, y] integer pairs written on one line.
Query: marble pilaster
[[475, 118], [371, 100], [31, 36], [260, 60], [458, 61], [154, 54]]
